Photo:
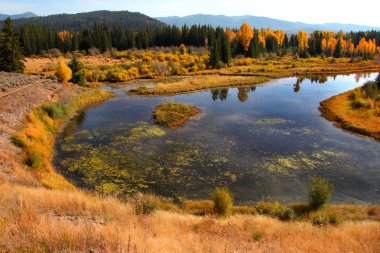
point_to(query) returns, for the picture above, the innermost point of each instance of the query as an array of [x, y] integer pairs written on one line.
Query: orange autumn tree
[[245, 35], [303, 44], [231, 35]]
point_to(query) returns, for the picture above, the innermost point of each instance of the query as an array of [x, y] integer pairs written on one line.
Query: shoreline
[[330, 110]]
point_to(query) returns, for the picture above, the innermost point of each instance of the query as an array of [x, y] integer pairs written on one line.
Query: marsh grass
[[173, 114], [357, 110], [195, 83], [37, 137]]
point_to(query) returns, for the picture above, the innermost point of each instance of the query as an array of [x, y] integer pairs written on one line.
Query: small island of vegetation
[[173, 114], [357, 110]]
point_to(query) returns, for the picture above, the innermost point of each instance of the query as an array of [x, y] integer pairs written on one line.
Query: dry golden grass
[[199, 83], [37, 136], [42, 220], [339, 110]]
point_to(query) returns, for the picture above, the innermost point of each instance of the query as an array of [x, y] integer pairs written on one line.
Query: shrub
[[56, 111], [144, 206], [276, 209], [78, 76], [18, 142], [331, 219], [223, 200], [63, 72], [257, 236], [319, 192], [34, 161]]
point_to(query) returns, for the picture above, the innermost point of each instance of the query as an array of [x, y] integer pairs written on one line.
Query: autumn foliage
[[63, 72], [245, 35]]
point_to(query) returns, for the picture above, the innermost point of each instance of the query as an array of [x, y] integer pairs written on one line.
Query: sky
[[363, 12]]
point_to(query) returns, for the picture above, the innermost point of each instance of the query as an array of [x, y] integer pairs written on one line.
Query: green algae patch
[[287, 165], [138, 157], [173, 114], [273, 121]]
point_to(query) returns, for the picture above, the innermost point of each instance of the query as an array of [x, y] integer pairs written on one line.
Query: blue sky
[[323, 11]]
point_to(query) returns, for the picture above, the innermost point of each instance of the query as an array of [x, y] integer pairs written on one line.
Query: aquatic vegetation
[[136, 159], [273, 121], [287, 165], [172, 114]]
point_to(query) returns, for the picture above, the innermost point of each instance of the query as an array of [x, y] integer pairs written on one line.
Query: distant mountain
[[18, 16], [75, 22], [259, 22]]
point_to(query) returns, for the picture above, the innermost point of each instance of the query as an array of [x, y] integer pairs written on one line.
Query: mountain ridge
[[86, 20], [259, 22], [18, 16]]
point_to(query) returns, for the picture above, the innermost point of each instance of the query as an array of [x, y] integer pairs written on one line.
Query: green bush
[[257, 236], [223, 200], [18, 142], [319, 192], [331, 219], [277, 210], [144, 207], [34, 161], [56, 111]]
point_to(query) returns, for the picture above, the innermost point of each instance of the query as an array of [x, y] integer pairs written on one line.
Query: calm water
[[263, 142]]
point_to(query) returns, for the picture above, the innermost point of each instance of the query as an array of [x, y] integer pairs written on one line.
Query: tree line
[[224, 44]]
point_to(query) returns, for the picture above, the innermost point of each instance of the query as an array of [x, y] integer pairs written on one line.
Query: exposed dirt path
[[21, 93]]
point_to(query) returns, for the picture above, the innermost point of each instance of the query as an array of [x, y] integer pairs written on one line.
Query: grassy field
[[173, 115], [355, 111], [42, 220]]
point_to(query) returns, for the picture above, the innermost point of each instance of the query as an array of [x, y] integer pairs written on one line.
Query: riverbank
[[257, 72], [339, 109], [243, 71]]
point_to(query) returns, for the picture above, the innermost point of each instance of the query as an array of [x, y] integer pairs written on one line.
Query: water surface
[[262, 141]]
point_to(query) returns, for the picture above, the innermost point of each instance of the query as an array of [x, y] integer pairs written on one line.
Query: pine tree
[[226, 50], [254, 46], [11, 58], [215, 57], [338, 49], [78, 76]]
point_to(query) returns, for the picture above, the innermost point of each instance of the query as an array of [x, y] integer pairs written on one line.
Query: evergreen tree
[[78, 76], [254, 46], [226, 50], [215, 57], [11, 58], [338, 49]]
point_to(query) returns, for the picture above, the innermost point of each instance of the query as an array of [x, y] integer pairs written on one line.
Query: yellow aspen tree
[[280, 37], [351, 49], [262, 35], [302, 42], [63, 35], [231, 35], [324, 45], [63, 72], [245, 35], [331, 44]]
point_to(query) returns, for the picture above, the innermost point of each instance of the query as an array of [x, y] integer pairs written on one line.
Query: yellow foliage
[[302, 41], [245, 35], [231, 35], [63, 71]]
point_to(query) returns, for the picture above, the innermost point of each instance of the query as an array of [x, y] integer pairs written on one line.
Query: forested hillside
[[18, 16], [75, 22]]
